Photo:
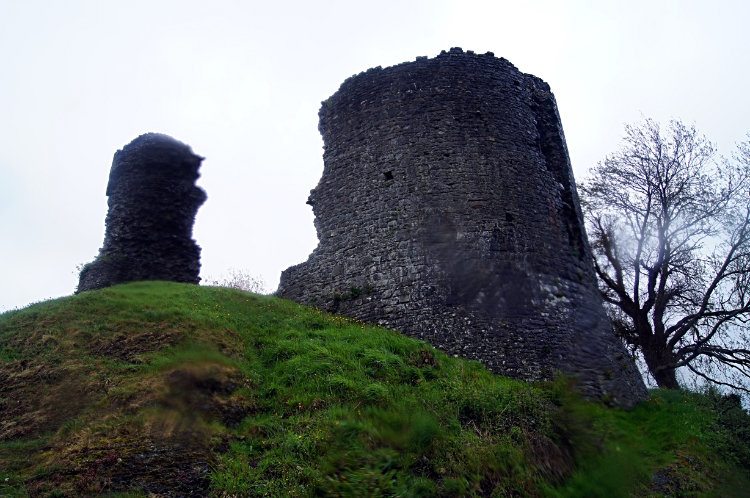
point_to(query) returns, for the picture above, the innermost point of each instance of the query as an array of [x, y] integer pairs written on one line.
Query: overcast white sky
[[241, 83]]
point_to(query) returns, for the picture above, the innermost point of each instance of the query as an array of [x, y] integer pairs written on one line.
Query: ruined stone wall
[[152, 202], [447, 209]]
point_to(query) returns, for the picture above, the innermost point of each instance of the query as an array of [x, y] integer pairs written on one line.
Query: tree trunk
[[657, 357], [666, 378]]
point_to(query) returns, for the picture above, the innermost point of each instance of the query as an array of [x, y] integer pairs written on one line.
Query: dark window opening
[[388, 175]]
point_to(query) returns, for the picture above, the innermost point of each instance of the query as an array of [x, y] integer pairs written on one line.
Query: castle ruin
[[152, 202], [447, 209]]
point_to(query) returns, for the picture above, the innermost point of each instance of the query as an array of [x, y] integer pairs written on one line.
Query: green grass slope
[[163, 389]]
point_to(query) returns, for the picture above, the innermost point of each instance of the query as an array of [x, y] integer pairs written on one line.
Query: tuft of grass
[[155, 387], [12, 486]]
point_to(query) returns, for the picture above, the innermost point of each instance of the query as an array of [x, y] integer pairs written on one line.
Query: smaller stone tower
[[152, 202]]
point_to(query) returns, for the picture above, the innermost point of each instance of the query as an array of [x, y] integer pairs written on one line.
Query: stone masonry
[[152, 202], [447, 209]]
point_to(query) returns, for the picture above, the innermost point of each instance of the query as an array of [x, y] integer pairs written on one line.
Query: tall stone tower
[[447, 209], [152, 202]]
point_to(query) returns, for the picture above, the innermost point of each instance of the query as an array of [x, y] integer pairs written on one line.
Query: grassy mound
[[164, 389]]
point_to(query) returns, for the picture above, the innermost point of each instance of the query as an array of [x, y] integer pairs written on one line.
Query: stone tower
[[152, 202], [447, 209]]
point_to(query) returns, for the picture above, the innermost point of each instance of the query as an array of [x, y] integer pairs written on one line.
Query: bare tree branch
[[670, 226]]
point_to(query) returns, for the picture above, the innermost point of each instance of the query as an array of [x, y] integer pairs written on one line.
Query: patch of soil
[[556, 462], [208, 391], [35, 399], [423, 358], [168, 454], [165, 450], [129, 346], [682, 478], [170, 469], [163, 467]]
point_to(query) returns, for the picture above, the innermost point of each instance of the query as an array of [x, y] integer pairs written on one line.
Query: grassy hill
[[156, 388]]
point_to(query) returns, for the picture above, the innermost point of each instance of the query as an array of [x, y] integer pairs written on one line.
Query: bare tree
[[669, 224]]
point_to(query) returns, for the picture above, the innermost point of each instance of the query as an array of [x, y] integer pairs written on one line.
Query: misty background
[[241, 83]]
